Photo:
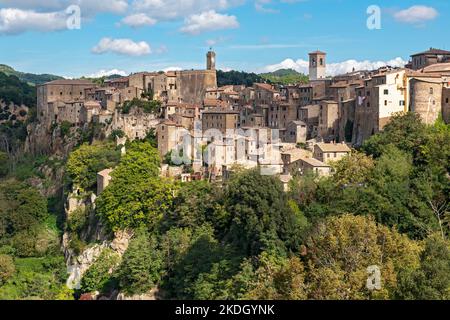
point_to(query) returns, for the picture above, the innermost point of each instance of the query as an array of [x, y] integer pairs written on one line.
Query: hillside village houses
[[285, 130]]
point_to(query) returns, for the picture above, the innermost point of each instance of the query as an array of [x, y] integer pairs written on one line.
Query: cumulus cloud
[[334, 69], [209, 21], [175, 9], [416, 14], [172, 69], [19, 16], [264, 5], [88, 7], [107, 73], [138, 20], [122, 46], [15, 21]]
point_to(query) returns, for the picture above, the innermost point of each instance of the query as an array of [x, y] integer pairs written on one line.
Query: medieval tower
[[317, 65], [211, 60]]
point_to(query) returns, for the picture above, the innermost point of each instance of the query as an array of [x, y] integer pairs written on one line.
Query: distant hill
[[281, 77], [12, 89], [285, 77], [30, 78], [225, 78]]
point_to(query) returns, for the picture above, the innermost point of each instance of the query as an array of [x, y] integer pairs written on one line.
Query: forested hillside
[[30, 78], [386, 206], [12, 89], [280, 77], [225, 78], [285, 77]]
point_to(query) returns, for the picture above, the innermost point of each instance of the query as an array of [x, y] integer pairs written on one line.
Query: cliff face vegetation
[[386, 205]]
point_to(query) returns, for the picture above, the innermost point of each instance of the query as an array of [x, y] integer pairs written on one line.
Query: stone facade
[[426, 98]]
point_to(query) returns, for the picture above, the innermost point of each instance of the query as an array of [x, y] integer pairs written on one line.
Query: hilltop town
[[286, 129]]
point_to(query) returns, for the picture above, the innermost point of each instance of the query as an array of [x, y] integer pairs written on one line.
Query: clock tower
[[211, 60]]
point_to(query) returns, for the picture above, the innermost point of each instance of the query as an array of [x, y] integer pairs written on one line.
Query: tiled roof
[[333, 147], [432, 51]]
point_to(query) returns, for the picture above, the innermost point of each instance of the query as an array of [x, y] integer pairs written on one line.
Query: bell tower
[[211, 60], [317, 65]]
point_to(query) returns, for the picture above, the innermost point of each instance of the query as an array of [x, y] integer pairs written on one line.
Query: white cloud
[[15, 21], [122, 46], [106, 73], [334, 69], [172, 69], [209, 21], [88, 7], [138, 20], [175, 9], [416, 14], [264, 5], [19, 16]]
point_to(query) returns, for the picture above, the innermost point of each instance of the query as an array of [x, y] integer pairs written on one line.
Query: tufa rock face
[[78, 265]]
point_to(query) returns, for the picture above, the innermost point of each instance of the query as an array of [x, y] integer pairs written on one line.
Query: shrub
[[7, 268], [98, 275]]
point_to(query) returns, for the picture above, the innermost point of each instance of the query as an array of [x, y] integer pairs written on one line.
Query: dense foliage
[[32, 79], [12, 89], [152, 106], [385, 206], [31, 265], [85, 162], [285, 77], [225, 78]]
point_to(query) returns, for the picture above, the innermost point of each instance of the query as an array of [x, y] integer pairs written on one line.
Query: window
[[386, 92], [431, 90], [446, 100], [402, 102], [385, 102]]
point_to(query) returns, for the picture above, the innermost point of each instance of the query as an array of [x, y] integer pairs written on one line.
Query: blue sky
[[250, 35]]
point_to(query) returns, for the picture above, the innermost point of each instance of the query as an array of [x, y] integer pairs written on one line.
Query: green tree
[[7, 268], [98, 276], [141, 268], [431, 281], [85, 162], [260, 217], [340, 250]]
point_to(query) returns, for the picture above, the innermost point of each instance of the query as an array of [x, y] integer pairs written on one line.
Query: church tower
[[211, 60], [317, 65]]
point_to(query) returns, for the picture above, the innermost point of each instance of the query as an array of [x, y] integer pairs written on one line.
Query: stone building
[[53, 95], [307, 165], [169, 135], [296, 132], [328, 152], [382, 95], [328, 128], [429, 57], [426, 97], [310, 115], [136, 124], [103, 180], [220, 119], [317, 65], [446, 104]]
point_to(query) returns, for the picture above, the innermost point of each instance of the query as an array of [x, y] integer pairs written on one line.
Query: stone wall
[[193, 84], [426, 99]]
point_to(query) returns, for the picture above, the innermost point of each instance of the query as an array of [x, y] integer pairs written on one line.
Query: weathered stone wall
[[193, 84], [446, 105], [426, 99]]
